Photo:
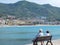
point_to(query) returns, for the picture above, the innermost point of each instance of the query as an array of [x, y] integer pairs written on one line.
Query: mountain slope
[[25, 10]]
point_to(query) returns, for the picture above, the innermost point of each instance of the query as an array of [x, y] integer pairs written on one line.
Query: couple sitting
[[42, 34]]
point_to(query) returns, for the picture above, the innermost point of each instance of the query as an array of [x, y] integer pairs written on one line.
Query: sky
[[51, 2]]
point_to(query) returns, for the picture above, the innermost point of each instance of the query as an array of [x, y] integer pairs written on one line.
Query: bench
[[43, 38]]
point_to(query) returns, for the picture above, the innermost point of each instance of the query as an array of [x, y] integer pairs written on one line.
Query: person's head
[[47, 31], [40, 30]]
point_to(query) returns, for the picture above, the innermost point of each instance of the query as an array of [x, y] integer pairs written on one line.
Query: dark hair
[[47, 31], [40, 31]]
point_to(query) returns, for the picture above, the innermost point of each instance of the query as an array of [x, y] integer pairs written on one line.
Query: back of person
[[47, 33], [40, 33]]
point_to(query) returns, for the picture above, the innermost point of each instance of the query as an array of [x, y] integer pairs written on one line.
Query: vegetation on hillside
[[29, 10]]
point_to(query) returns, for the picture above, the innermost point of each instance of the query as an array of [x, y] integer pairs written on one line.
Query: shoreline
[[55, 42], [25, 25]]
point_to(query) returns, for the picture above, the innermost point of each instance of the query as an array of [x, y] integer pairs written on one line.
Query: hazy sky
[[52, 2]]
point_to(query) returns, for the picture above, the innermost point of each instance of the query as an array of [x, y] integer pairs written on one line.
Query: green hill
[[25, 10]]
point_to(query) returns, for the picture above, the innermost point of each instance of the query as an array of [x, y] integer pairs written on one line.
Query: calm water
[[24, 35]]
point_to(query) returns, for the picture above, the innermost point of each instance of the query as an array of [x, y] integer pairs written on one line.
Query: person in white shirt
[[48, 33], [40, 33]]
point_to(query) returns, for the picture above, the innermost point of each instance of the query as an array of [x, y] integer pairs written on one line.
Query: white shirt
[[48, 34], [40, 34]]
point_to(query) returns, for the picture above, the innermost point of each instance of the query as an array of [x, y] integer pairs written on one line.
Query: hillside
[[29, 10]]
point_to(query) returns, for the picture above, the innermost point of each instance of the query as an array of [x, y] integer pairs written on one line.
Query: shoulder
[[41, 34], [48, 34]]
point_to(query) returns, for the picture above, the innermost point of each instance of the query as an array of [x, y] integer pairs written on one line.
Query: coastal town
[[11, 20], [29, 22]]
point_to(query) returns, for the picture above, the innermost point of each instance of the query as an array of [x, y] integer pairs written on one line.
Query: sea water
[[22, 35]]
